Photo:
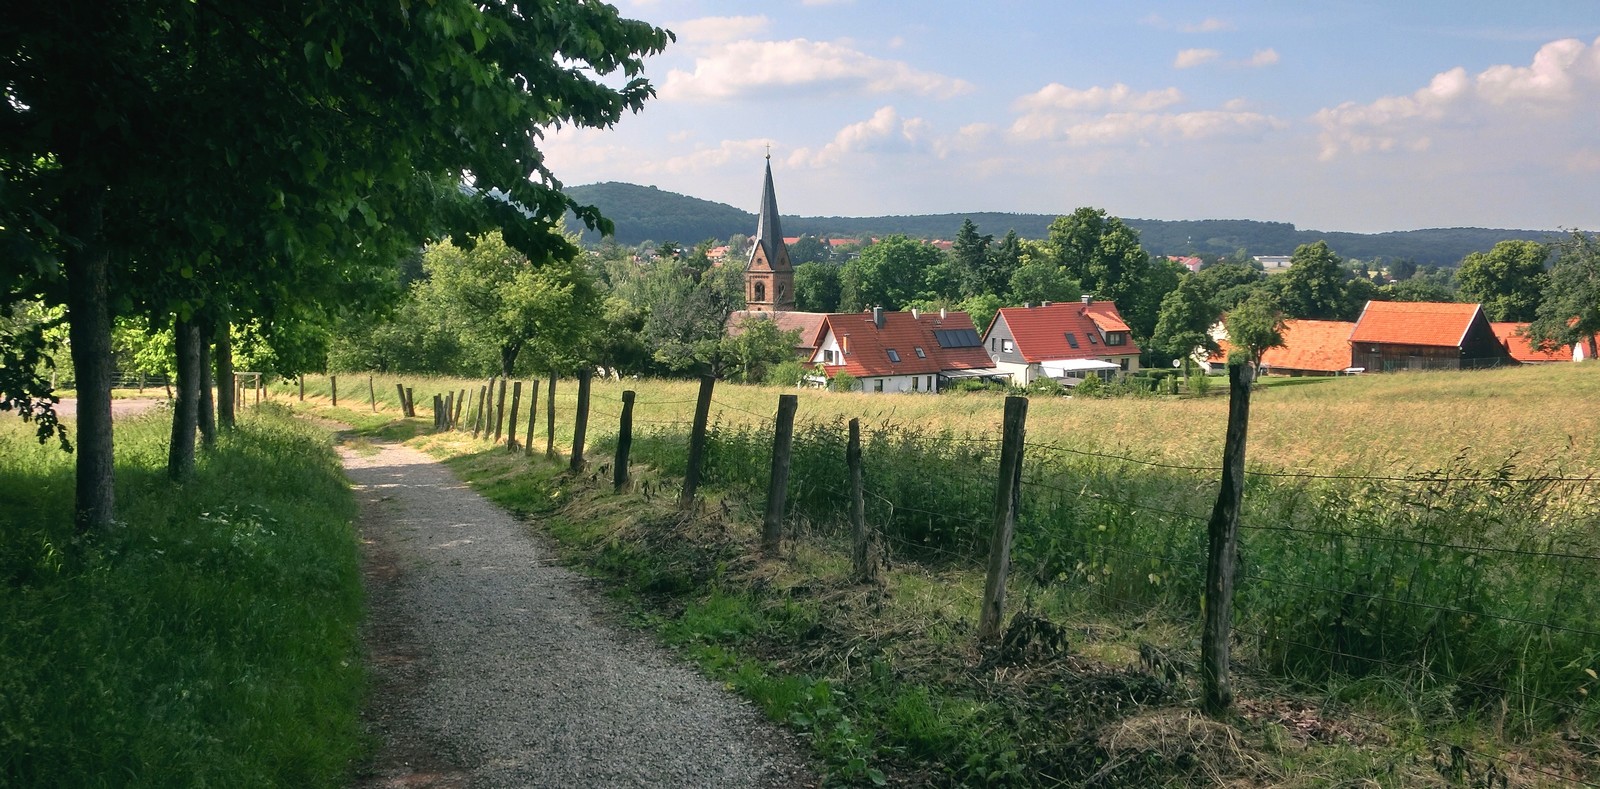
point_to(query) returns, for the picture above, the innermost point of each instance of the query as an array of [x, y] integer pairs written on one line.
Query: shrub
[[843, 382], [788, 373]]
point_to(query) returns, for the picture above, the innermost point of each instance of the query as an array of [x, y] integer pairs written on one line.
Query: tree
[[977, 268], [1105, 257], [756, 348], [1402, 269], [1569, 313], [1414, 290], [805, 249], [1256, 325], [816, 287], [1231, 283], [887, 274], [1187, 314], [688, 315], [982, 309], [1509, 280], [119, 116], [1314, 285], [495, 297], [1039, 282]]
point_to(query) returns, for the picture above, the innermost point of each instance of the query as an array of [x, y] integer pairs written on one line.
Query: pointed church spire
[[768, 233]]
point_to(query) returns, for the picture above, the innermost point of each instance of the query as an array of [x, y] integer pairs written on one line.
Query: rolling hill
[[646, 213]]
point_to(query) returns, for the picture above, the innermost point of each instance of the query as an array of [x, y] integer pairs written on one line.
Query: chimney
[[915, 313], [1087, 299], [1044, 303], [1027, 305], [942, 314], [844, 344], [877, 317]]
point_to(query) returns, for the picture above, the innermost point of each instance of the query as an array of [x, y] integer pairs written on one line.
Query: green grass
[[210, 640]]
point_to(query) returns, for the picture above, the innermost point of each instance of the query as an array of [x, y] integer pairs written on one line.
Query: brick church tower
[[769, 278]]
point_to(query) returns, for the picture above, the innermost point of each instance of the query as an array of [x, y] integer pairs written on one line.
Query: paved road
[[494, 666]]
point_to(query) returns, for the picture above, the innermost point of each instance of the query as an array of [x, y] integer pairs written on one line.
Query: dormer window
[[894, 355], [1115, 338]]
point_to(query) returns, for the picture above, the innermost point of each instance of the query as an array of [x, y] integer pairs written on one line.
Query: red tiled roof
[[868, 346], [1318, 346], [1040, 332], [1430, 323], [1521, 349], [809, 324]]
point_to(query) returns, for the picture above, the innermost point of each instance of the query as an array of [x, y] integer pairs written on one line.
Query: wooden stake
[[333, 387], [533, 417], [778, 483], [1008, 494], [580, 425], [619, 466], [865, 568], [1223, 546], [516, 405], [550, 420], [697, 442], [500, 411]]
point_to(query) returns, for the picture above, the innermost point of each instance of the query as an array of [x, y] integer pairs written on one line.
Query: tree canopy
[[1508, 280], [1569, 314]]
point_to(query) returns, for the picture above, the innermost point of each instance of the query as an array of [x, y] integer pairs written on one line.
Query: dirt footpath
[[495, 667]]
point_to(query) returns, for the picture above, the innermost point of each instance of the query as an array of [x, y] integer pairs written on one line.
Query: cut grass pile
[[209, 640]]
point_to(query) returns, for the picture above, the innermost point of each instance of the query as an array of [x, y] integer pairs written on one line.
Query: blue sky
[[1358, 116]]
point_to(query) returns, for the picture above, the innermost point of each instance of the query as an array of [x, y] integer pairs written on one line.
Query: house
[[901, 351], [807, 323], [1189, 262], [1419, 335], [1066, 341], [1520, 349], [1310, 348], [1272, 263]]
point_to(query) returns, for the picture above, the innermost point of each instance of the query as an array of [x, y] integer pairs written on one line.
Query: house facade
[[900, 351], [1411, 335], [1066, 341]]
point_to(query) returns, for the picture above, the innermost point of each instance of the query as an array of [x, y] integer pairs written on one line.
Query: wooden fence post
[[533, 417], [302, 387], [500, 411], [477, 421], [455, 416], [865, 568], [697, 442], [438, 411], [400, 393], [619, 467], [511, 426], [333, 386], [372, 394], [1223, 546], [778, 484], [449, 408], [1008, 494], [550, 419], [580, 424]]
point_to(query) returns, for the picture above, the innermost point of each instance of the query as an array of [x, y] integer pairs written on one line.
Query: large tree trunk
[[94, 508], [225, 388], [508, 358], [208, 413], [185, 410]]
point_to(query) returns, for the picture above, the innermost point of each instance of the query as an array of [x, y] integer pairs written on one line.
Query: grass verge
[[210, 640]]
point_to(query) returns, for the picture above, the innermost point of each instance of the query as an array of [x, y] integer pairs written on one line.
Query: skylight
[[894, 355]]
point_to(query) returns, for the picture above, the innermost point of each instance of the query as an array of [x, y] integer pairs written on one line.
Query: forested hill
[[646, 213]]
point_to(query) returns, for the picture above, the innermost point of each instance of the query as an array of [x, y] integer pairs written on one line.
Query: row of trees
[[200, 167]]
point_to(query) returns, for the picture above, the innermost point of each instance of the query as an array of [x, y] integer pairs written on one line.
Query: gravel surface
[[495, 667], [122, 406]]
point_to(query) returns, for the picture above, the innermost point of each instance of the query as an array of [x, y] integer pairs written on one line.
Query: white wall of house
[[873, 384], [1021, 374], [828, 351]]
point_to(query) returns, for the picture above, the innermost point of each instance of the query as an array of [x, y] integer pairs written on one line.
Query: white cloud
[[1056, 96], [710, 30], [1586, 160], [1264, 57], [884, 132], [727, 151], [1555, 97], [1208, 25], [742, 69], [1189, 58]]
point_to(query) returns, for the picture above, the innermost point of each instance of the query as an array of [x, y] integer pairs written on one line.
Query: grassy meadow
[[210, 640], [1417, 605]]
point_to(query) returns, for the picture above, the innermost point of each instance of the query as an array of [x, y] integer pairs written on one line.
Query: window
[[827, 356], [1072, 339], [761, 291], [930, 383], [1007, 347], [920, 354], [916, 383], [877, 385], [992, 341], [1115, 338], [1124, 361], [894, 355], [1092, 340]]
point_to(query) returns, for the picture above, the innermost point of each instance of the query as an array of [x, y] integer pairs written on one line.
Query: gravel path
[[122, 406], [494, 667]]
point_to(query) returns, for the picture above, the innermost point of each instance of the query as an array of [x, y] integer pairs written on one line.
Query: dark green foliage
[[210, 641], [1570, 310], [1314, 285], [816, 287], [1508, 281]]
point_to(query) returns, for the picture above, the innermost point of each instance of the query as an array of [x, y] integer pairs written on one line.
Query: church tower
[[769, 278]]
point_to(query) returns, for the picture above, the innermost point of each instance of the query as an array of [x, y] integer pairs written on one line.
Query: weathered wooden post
[[533, 416], [449, 408], [477, 421], [697, 442], [302, 388], [550, 419], [1008, 494], [455, 416], [619, 466], [580, 424], [860, 560], [333, 387], [411, 401], [516, 404], [372, 394], [438, 412], [1223, 546], [400, 394], [500, 411], [778, 483]]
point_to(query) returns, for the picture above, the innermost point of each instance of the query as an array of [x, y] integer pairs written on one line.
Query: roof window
[[920, 354], [894, 355], [1092, 340], [1072, 339]]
